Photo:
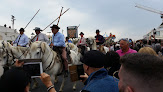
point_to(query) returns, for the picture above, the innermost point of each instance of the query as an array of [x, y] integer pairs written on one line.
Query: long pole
[[51, 23], [32, 19], [56, 19], [59, 16]]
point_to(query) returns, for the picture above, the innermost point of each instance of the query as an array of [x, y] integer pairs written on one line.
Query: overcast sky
[[120, 17]]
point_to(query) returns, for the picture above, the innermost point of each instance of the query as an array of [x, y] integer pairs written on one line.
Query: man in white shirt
[[82, 43], [21, 40], [40, 36]]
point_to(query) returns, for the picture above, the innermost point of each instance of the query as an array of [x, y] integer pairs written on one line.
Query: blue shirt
[[21, 40], [58, 40], [69, 41], [100, 81]]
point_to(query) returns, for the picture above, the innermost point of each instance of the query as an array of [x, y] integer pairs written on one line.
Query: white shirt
[[82, 41], [41, 37]]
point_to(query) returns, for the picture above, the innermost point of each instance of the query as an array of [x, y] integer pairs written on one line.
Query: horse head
[[6, 55], [36, 50], [91, 43], [40, 50], [71, 46]]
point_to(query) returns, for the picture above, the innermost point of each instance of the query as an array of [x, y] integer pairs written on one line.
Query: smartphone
[[34, 69], [80, 71], [75, 72]]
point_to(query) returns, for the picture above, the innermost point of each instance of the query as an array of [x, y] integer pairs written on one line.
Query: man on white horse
[[40, 36], [21, 40], [67, 40], [99, 40], [82, 43], [58, 42]]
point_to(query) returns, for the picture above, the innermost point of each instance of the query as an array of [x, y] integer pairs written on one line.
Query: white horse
[[52, 64], [72, 46], [75, 40], [92, 44], [1, 63], [9, 53]]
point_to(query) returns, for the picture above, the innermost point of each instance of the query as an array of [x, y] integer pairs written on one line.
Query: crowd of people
[[128, 67]]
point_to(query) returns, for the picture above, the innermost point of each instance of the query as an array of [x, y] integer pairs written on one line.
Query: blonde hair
[[147, 50]]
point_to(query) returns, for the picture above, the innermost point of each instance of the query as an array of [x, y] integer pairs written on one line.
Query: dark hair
[[144, 67], [67, 37], [144, 41], [112, 59], [14, 80]]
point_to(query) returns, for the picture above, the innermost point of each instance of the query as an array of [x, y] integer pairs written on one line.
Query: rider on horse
[[58, 42], [82, 43]]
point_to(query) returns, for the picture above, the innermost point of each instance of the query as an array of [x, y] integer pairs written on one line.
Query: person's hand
[[12, 43], [45, 78], [84, 77], [18, 64], [51, 44]]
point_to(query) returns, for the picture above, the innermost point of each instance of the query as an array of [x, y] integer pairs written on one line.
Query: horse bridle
[[47, 58], [8, 55]]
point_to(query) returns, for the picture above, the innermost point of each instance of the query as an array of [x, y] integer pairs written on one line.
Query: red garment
[[80, 40], [37, 38]]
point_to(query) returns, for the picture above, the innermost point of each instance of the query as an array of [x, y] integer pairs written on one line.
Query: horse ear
[[8, 45], [43, 46]]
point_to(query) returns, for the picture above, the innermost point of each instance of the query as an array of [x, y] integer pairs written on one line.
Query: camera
[[34, 69], [32, 66], [75, 72]]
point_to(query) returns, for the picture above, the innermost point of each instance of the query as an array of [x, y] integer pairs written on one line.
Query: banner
[[72, 32]]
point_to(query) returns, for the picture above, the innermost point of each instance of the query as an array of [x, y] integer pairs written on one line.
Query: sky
[[119, 17]]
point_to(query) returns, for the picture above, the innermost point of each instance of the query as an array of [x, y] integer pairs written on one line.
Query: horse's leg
[[62, 85], [35, 83], [74, 86]]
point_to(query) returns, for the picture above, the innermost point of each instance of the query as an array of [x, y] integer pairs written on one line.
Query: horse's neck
[[49, 53], [94, 47]]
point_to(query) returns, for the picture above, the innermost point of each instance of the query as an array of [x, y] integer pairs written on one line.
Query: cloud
[[118, 17]]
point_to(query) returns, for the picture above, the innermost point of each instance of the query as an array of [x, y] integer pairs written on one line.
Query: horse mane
[[71, 45], [94, 47]]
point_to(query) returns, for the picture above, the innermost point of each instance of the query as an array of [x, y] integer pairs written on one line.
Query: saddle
[[82, 49], [58, 50], [59, 53]]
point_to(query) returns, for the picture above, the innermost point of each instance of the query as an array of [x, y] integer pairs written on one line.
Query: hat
[[21, 29], [81, 33], [97, 31], [37, 29], [14, 80], [55, 26], [93, 58]]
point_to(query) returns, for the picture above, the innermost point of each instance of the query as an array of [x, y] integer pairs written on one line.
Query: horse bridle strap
[[48, 68]]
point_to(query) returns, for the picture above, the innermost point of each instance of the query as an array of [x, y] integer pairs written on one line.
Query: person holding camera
[[17, 80], [96, 78]]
